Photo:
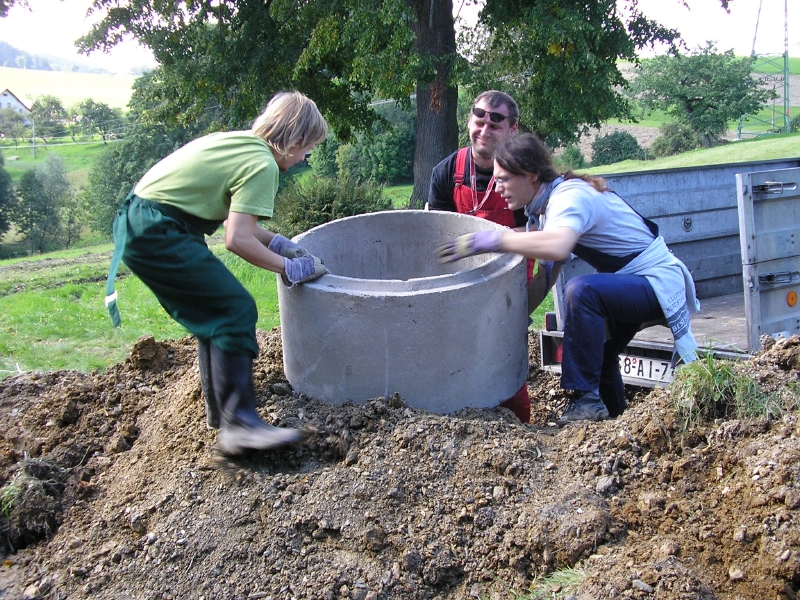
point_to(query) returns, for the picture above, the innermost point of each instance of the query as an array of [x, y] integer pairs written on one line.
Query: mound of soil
[[112, 490]]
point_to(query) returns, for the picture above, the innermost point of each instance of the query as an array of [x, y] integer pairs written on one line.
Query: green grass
[[56, 319], [555, 585], [399, 194], [69, 87], [711, 388], [78, 159], [761, 148]]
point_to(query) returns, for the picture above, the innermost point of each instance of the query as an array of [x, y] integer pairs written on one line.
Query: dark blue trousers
[[595, 303]]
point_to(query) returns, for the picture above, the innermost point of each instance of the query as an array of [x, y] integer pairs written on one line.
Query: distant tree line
[[19, 59]]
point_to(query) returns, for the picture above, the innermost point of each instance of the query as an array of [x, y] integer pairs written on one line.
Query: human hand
[[286, 247], [303, 268], [469, 245]]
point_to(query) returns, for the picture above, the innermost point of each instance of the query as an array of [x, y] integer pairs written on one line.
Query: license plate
[[651, 369]]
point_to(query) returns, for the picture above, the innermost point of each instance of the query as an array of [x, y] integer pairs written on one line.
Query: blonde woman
[[159, 232]]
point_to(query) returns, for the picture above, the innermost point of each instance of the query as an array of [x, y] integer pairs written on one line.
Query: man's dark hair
[[495, 98]]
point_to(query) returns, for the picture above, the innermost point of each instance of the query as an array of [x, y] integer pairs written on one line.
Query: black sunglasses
[[494, 117]]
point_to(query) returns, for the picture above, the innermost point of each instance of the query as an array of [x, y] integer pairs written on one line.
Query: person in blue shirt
[[637, 280]]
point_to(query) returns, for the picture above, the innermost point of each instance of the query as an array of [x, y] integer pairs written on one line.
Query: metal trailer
[[737, 229]]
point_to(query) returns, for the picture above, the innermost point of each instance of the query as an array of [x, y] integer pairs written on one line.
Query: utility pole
[[771, 70], [33, 135]]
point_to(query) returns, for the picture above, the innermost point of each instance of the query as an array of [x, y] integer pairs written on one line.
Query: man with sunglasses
[[463, 182]]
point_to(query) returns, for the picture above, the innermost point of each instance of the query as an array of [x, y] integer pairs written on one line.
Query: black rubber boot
[[212, 406], [241, 428]]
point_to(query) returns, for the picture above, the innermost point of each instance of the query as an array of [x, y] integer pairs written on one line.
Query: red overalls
[[489, 205]]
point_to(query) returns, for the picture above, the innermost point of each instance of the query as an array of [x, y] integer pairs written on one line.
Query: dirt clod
[[112, 488]]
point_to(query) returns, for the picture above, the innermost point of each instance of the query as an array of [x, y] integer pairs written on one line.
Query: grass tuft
[[713, 388], [556, 585]]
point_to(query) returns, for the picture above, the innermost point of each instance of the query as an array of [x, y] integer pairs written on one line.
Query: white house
[[9, 100]]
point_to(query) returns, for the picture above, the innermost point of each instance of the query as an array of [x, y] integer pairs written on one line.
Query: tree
[[235, 54], [12, 124], [116, 171], [43, 195], [703, 90], [93, 117], [49, 117], [563, 70], [7, 198]]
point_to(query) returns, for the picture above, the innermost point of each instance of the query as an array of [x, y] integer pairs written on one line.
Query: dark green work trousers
[[165, 247]]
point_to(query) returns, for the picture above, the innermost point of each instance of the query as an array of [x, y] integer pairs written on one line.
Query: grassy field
[[51, 306], [762, 148], [52, 314], [70, 88], [78, 159]]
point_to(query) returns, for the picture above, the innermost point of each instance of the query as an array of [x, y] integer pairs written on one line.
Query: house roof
[[8, 91]]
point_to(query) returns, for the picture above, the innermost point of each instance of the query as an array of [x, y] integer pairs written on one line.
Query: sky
[[52, 26]]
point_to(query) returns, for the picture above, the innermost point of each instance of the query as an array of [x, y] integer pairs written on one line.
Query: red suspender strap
[[461, 166]]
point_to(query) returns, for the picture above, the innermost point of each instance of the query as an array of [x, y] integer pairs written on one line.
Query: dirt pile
[[116, 493]]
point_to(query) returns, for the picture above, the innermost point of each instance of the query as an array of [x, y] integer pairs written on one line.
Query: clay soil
[[119, 494]]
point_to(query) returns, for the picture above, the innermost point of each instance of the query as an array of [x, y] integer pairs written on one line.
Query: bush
[[674, 139], [385, 154], [323, 158], [615, 147], [572, 158], [794, 124], [317, 200]]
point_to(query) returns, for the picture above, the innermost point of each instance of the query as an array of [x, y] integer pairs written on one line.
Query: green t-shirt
[[215, 174]]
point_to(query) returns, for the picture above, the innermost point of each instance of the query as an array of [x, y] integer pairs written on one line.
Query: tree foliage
[[49, 117], [116, 171], [560, 59], [615, 147], [675, 138], [572, 157], [89, 118], [43, 196], [703, 90], [7, 197], [12, 124], [384, 155]]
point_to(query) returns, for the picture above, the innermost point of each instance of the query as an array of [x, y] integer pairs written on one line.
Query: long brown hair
[[526, 154]]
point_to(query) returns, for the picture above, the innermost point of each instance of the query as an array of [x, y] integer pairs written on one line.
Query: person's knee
[[578, 290]]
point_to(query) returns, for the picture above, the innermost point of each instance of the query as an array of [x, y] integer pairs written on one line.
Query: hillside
[[69, 87]]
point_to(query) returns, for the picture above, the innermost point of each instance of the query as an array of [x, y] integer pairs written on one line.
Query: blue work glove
[[469, 245], [304, 268], [286, 247]]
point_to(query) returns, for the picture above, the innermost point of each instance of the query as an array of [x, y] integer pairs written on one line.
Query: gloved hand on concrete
[[304, 268], [469, 245], [286, 247]]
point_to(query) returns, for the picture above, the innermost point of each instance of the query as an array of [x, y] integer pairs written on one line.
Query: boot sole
[[237, 444]]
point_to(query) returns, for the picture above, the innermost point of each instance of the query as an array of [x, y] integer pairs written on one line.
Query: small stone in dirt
[[281, 389], [642, 586], [605, 484], [669, 548], [735, 573]]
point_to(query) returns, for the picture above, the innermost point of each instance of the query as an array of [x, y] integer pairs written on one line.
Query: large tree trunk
[[437, 128]]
